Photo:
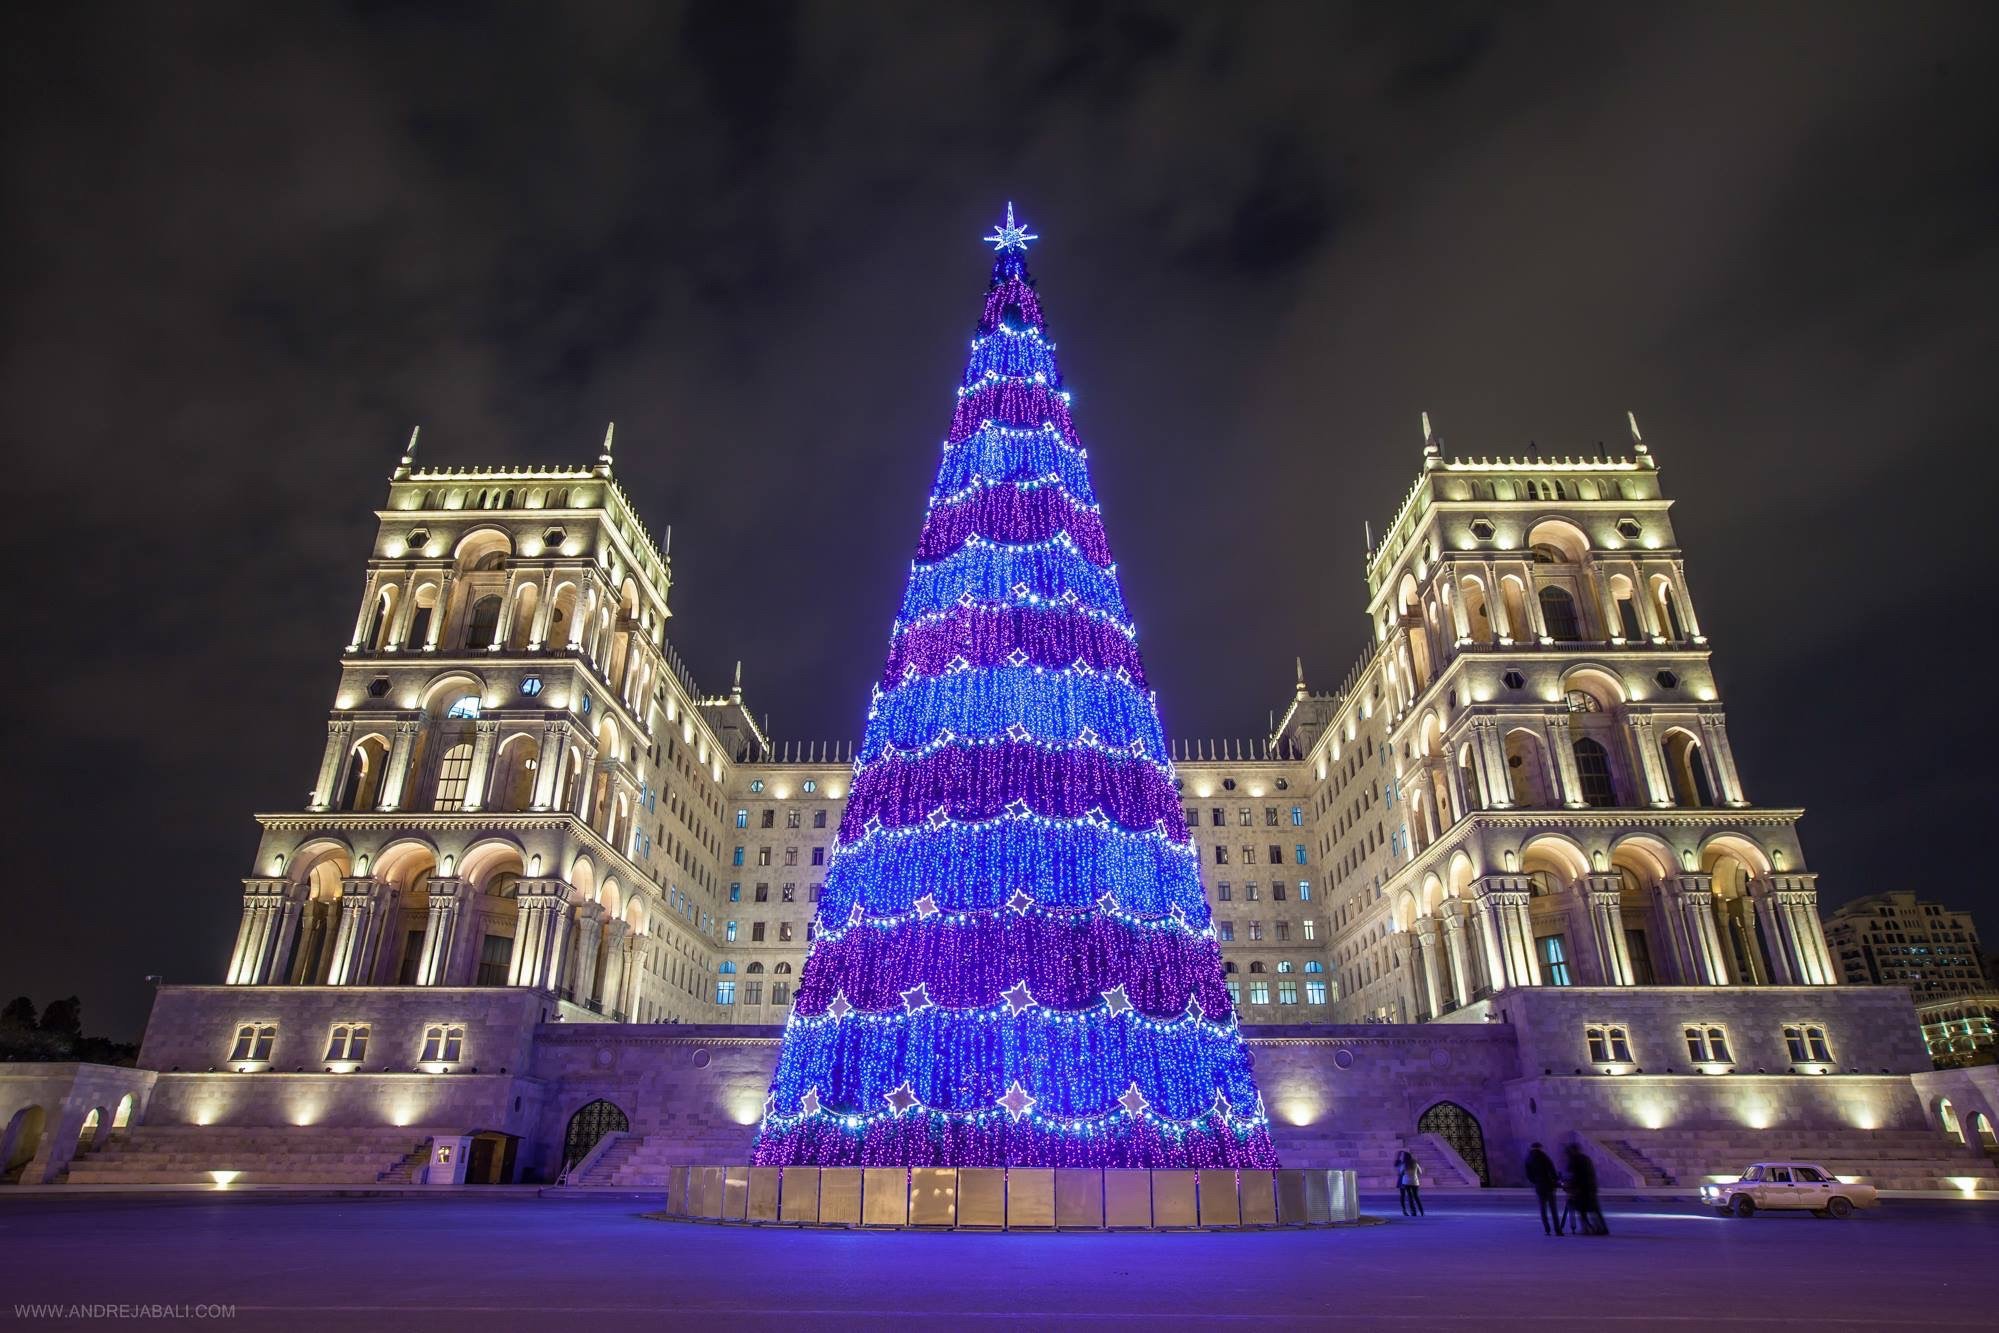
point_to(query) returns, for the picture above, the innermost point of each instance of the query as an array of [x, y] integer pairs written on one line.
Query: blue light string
[[1013, 354], [1076, 1063], [992, 575], [1009, 456], [978, 868], [1053, 705]]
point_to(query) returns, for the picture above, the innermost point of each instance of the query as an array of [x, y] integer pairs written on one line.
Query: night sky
[[245, 248]]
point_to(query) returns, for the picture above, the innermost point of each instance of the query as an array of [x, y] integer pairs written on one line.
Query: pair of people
[[1580, 1184], [1409, 1183]]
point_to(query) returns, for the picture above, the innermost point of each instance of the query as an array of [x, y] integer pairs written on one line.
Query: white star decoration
[[1069, 596], [1016, 732], [1020, 902], [958, 664], [1088, 735], [1194, 1008], [1082, 668], [1020, 998], [1221, 1109], [874, 824], [966, 599], [916, 998], [1020, 590], [1010, 237], [809, 1103], [1178, 913], [1133, 1101], [1017, 807], [1017, 1102], [1096, 817], [856, 916], [840, 1006], [1115, 999], [1017, 657], [938, 818], [1107, 903], [901, 1099], [770, 1105], [926, 907]]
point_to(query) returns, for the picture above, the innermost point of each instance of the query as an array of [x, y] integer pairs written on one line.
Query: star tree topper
[[1010, 237]]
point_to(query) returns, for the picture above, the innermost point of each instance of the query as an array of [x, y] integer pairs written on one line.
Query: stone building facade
[[544, 891]]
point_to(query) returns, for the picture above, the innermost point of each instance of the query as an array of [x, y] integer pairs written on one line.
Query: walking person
[[1582, 1186], [1542, 1176], [1409, 1183]]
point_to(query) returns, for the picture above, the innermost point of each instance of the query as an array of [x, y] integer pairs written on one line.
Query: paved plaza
[[525, 1262]]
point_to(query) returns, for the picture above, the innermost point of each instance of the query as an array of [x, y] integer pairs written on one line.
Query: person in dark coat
[[1409, 1183], [1583, 1193], [1542, 1176]]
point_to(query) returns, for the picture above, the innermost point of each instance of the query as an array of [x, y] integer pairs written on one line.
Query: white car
[[1789, 1185]]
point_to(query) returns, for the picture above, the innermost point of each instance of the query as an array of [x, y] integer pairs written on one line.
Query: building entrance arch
[[590, 1123], [1460, 1129]]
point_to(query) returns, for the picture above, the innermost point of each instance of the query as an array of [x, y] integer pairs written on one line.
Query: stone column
[[1427, 941], [339, 737], [371, 593], [1498, 789], [1651, 764], [1693, 894], [1454, 953], [1562, 750], [589, 929], [354, 943], [484, 734], [1530, 598], [628, 987], [1402, 947], [1725, 779], [1606, 600], [1454, 607], [1688, 620], [265, 902], [1506, 897], [1503, 629], [614, 966], [1603, 895], [1788, 904], [440, 612], [539, 934], [397, 775], [554, 756], [441, 931]]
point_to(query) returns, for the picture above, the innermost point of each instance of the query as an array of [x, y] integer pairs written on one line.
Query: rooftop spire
[[604, 459], [1432, 452], [1638, 441], [409, 454], [1301, 676]]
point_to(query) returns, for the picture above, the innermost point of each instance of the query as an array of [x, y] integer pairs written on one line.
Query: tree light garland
[[1014, 962]]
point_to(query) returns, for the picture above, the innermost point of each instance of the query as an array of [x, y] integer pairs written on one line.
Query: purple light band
[[978, 784], [917, 1140], [968, 964], [988, 636], [1006, 514], [1013, 291], [1019, 406]]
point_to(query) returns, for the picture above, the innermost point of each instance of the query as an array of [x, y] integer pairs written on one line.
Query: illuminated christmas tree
[[1013, 962]]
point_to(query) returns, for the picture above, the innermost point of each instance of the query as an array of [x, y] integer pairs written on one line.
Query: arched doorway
[[1978, 1133], [18, 1145], [1459, 1128], [1947, 1117], [591, 1123]]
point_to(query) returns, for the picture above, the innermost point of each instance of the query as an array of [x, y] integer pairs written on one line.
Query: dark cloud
[[245, 248]]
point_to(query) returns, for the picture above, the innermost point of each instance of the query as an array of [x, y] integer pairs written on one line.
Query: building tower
[[1528, 781], [521, 786]]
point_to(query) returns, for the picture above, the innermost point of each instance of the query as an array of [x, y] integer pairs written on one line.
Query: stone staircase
[[610, 1163], [1649, 1172], [253, 1155], [1891, 1159]]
